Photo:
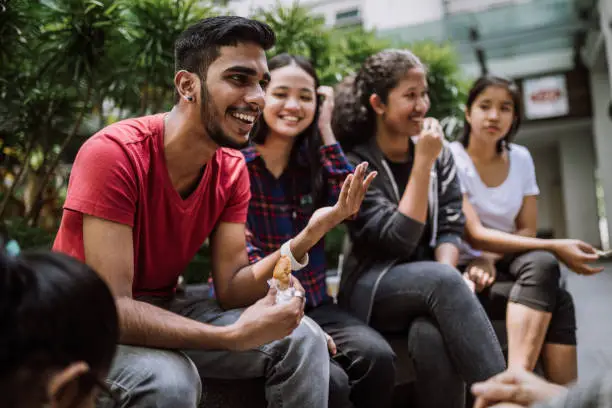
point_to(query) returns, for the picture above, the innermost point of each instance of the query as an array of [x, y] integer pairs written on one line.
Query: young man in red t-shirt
[[144, 195]]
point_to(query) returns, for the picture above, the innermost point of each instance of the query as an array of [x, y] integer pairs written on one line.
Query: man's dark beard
[[211, 119]]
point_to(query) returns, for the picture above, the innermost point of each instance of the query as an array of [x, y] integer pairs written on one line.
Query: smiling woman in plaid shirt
[[296, 167]]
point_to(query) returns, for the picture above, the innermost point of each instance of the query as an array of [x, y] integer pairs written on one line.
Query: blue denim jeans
[[145, 377], [296, 368]]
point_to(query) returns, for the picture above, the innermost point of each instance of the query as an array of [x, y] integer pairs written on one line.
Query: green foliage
[[17, 33], [447, 87], [27, 237], [297, 31], [16, 20], [199, 269], [334, 52], [64, 63], [333, 245], [76, 37], [350, 48], [151, 28]]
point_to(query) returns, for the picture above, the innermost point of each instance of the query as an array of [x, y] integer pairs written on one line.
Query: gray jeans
[[296, 368], [450, 337]]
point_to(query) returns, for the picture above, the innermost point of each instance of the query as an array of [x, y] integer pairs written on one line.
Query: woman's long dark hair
[[54, 311], [479, 87], [309, 141], [354, 119]]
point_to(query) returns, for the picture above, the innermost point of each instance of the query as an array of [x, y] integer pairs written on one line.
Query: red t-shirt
[[120, 175]]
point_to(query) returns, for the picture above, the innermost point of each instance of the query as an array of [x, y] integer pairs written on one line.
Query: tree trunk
[[101, 117], [144, 101], [18, 178], [156, 101], [38, 197], [160, 100]]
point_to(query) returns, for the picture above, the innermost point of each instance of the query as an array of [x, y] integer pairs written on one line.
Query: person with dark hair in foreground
[[58, 332], [144, 195], [400, 274], [297, 169]]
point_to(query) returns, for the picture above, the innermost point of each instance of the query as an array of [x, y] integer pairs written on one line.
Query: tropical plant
[[447, 85], [35, 109], [151, 28], [74, 49], [68, 68], [351, 46], [334, 52], [15, 15], [297, 32]]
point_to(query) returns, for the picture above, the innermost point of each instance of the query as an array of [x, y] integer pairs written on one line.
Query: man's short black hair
[[198, 46]]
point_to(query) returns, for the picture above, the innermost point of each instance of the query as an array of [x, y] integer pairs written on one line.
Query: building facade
[[560, 54]]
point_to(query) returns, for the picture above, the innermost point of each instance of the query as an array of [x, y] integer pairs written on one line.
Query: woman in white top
[[518, 275]]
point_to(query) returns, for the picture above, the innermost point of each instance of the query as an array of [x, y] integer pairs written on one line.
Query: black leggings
[[532, 279]]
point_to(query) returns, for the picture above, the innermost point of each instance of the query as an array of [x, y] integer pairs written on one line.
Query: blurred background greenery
[[71, 67]]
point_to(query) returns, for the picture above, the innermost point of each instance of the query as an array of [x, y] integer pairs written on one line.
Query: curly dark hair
[[309, 141], [354, 118], [479, 87]]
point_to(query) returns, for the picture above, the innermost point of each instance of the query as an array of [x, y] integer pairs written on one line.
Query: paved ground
[[593, 300]]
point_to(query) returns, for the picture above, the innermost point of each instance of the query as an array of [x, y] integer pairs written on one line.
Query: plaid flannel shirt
[[280, 208]]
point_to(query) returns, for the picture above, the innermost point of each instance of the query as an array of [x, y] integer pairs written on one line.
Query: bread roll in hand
[[282, 273]]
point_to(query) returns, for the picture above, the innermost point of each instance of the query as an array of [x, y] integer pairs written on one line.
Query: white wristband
[[285, 250]]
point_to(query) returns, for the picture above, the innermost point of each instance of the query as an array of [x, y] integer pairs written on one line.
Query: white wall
[[551, 211], [380, 14], [577, 171], [241, 7], [245, 7], [385, 14], [329, 8], [600, 61], [564, 156], [326, 8], [605, 15], [602, 129]]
